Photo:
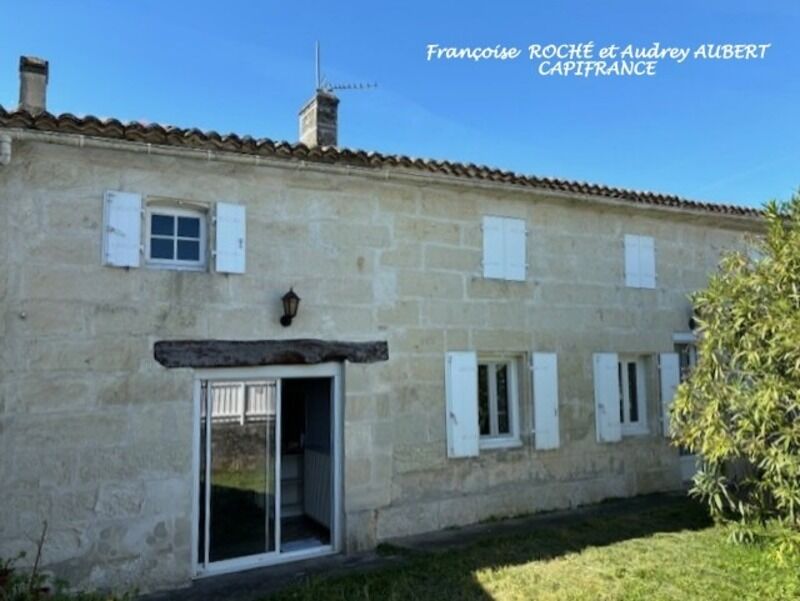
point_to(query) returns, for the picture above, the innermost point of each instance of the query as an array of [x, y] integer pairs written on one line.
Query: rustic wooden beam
[[250, 353]]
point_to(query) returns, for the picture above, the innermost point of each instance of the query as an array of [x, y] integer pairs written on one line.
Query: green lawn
[[670, 551]]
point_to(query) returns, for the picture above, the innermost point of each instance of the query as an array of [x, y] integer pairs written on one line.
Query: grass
[[668, 552]]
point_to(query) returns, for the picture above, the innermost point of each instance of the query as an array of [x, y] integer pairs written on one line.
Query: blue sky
[[705, 130]]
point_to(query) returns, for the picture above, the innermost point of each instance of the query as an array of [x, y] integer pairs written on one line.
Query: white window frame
[[512, 439], [173, 211], [639, 427]]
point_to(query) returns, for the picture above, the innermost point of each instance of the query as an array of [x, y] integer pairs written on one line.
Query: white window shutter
[[670, 376], [122, 229], [231, 238], [493, 248], [647, 262], [461, 384], [514, 249], [545, 400], [632, 264], [606, 397]]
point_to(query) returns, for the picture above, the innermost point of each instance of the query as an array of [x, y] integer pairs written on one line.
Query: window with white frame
[[632, 395], [498, 403], [176, 237]]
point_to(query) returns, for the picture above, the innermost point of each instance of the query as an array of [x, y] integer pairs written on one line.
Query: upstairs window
[[171, 234], [504, 254], [176, 237]]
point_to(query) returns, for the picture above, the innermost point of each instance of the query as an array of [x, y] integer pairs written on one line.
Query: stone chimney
[[33, 84], [318, 120]]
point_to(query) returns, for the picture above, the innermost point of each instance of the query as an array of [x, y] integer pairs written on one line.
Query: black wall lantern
[[290, 302]]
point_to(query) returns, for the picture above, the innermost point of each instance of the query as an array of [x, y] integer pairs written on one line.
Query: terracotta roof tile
[[194, 138]]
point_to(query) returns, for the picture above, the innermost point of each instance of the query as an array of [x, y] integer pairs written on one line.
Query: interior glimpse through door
[[265, 469]]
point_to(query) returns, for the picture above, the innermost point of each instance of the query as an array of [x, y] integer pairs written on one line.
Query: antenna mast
[[319, 82], [324, 86]]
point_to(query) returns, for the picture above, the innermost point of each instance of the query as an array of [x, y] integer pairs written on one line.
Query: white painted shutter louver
[[493, 248], [647, 262], [670, 376], [122, 229], [231, 230], [606, 397], [545, 400], [461, 387], [515, 255], [632, 269]]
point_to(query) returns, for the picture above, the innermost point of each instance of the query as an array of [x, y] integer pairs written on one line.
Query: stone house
[[469, 342]]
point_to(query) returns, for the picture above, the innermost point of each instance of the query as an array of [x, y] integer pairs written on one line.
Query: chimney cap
[[34, 64]]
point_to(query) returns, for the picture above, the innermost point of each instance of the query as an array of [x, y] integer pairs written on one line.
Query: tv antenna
[[323, 85]]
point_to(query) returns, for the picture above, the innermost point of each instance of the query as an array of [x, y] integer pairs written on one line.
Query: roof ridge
[[155, 133]]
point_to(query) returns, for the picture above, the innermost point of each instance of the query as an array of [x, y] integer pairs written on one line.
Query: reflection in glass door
[[237, 469]]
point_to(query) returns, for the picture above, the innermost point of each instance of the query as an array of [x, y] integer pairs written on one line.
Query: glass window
[[687, 357], [501, 377], [497, 401], [632, 404], [176, 237], [633, 400], [483, 400]]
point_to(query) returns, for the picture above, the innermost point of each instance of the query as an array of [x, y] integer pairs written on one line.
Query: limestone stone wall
[[95, 436]]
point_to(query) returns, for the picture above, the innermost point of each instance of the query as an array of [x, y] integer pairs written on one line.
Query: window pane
[[188, 250], [162, 225], [621, 395], [633, 393], [162, 248], [503, 425], [483, 400], [189, 227], [687, 356]]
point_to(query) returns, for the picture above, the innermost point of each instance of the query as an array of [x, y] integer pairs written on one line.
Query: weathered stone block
[[448, 258], [426, 230], [417, 284], [408, 256]]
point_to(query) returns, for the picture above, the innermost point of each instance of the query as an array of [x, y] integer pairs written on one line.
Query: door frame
[[332, 370]]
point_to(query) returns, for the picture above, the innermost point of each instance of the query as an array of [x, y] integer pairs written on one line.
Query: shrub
[[33, 585], [740, 408]]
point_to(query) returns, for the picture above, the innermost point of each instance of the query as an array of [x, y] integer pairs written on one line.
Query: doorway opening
[[267, 471], [306, 477]]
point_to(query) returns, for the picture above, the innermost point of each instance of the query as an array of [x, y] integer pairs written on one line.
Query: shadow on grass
[[446, 572]]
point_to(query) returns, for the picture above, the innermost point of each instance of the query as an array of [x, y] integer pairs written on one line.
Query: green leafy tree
[[740, 408]]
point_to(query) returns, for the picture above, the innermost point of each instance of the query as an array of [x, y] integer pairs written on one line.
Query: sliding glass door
[[238, 464], [267, 477]]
